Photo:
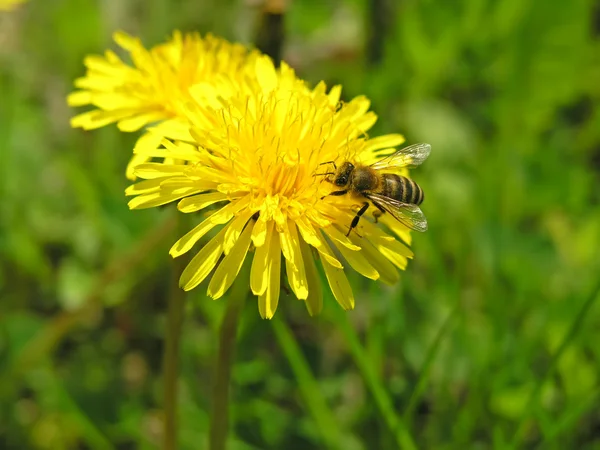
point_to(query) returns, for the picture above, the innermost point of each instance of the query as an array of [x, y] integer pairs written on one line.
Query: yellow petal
[[200, 201], [393, 245], [266, 74], [125, 40], [287, 246], [235, 229], [338, 237], [387, 272], [230, 267], [365, 123], [314, 300], [205, 94], [267, 302], [135, 161], [118, 103], [339, 285], [326, 252], [297, 280], [144, 187], [294, 264], [226, 213], [147, 142], [157, 170], [102, 66], [357, 261], [186, 242], [136, 122], [397, 259], [388, 140], [177, 129], [258, 275], [334, 95], [400, 230], [259, 233], [203, 263], [79, 98], [362, 103], [381, 239], [308, 232], [96, 119], [174, 152], [159, 198]]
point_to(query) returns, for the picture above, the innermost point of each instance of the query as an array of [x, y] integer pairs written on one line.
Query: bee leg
[[329, 162], [323, 174], [360, 212], [377, 213], [336, 193]]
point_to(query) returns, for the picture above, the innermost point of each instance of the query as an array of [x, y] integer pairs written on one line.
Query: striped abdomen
[[401, 188]]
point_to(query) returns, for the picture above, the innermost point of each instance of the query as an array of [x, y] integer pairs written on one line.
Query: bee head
[[343, 174]]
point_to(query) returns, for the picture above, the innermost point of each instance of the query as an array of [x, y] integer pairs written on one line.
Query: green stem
[[309, 388], [175, 315], [271, 30], [227, 338]]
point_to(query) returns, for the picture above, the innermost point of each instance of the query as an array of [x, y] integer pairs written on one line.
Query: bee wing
[[410, 156], [406, 213]]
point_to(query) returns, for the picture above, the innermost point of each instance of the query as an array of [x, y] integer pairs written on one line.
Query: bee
[[390, 193]]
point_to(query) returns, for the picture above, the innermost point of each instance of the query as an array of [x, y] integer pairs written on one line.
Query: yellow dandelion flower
[[152, 90], [256, 158], [156, 86], [9, 5]]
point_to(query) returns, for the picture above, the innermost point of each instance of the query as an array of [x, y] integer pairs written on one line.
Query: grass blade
[[384, 403], [571, 333], [417, 392], [309, 388]]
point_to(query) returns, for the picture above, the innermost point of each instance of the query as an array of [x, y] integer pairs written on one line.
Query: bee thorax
[[365, 179]]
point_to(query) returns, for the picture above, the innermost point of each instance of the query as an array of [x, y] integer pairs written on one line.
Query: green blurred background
[[491, 340]]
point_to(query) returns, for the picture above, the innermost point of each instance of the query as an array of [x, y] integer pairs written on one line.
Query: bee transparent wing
[[406, 213], [411, 156]]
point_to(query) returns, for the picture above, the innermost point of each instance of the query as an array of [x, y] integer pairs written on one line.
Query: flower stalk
[[227, 338], [175, 315]]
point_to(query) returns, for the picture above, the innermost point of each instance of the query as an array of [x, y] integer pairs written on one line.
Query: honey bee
[[390, 193]]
